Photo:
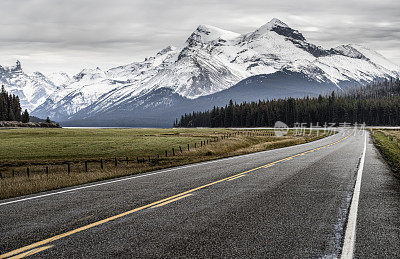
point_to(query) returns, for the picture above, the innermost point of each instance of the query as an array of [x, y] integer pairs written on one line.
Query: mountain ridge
[[32, 89], [213, 60]]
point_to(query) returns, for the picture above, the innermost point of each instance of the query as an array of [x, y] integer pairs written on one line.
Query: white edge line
[[150, 174], [350, 234]]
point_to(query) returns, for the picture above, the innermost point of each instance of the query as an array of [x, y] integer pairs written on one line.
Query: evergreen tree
[[374, 104], [10, 107], [25, 116]]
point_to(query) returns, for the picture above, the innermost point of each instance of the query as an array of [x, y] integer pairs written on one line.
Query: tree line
[[10, 108], [375, 104]]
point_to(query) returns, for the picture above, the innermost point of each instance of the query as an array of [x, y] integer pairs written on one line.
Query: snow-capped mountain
[[59, 78], [211, 61], [32, 89]]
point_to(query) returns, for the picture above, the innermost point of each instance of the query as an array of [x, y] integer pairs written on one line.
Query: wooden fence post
[[188, 148], [86, 167], [116, 162], [27, 171], [166, 153], [101, 163], [13, 173], [127, 160], [69, 167], [47, 170], [173, 151]]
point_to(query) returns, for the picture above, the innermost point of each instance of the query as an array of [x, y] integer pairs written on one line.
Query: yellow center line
[[236, 177], [169, 201], [31, 252], [97, 223]]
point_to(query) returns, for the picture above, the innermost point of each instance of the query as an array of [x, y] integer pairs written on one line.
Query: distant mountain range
[[213, 66]]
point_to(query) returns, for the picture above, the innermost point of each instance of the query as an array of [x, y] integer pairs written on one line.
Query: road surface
[[313, 200]]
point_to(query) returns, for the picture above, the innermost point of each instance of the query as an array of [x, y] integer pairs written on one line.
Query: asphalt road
[[284, 203]]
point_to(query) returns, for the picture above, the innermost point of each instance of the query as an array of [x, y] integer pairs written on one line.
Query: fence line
[[116, 160]]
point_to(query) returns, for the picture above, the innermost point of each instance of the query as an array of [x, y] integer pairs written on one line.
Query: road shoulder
[[378, 226]]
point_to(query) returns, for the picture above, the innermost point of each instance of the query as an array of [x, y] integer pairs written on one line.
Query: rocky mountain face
[[212, 66], [32, 89]]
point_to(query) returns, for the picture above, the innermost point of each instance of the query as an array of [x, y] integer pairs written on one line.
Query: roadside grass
[[388, 143], [41, 148]]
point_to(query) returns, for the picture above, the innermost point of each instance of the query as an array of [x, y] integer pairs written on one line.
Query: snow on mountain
[[274, 23], [206, 33], [32, 89], [82, 90], [59, 78], [89, 85], [377, 58], [349, 51], [213, 60]]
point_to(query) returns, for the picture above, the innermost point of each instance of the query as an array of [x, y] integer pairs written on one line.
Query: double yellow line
[[39, 246]]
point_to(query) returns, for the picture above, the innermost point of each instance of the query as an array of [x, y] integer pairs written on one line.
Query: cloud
[[50, 35]]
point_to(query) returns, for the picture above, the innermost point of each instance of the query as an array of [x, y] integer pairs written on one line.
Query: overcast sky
[[69, 35]]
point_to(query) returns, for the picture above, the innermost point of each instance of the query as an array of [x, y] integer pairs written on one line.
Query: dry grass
[[39, 180], [388, 143]]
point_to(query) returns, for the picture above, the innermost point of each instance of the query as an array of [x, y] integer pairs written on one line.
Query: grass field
[[37, 149], [30, 146], [388, 143]]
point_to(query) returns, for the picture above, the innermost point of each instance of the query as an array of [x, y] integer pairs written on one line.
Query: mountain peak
[[281, 28], [269, 26], [166, 50], [276, 22], [16, 68], [90, 73], [18, 65], [208, 33]]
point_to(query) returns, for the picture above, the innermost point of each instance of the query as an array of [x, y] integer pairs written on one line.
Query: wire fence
[[87, 165]]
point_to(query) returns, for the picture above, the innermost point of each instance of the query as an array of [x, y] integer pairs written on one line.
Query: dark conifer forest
[[375, 104], [10, 108]]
